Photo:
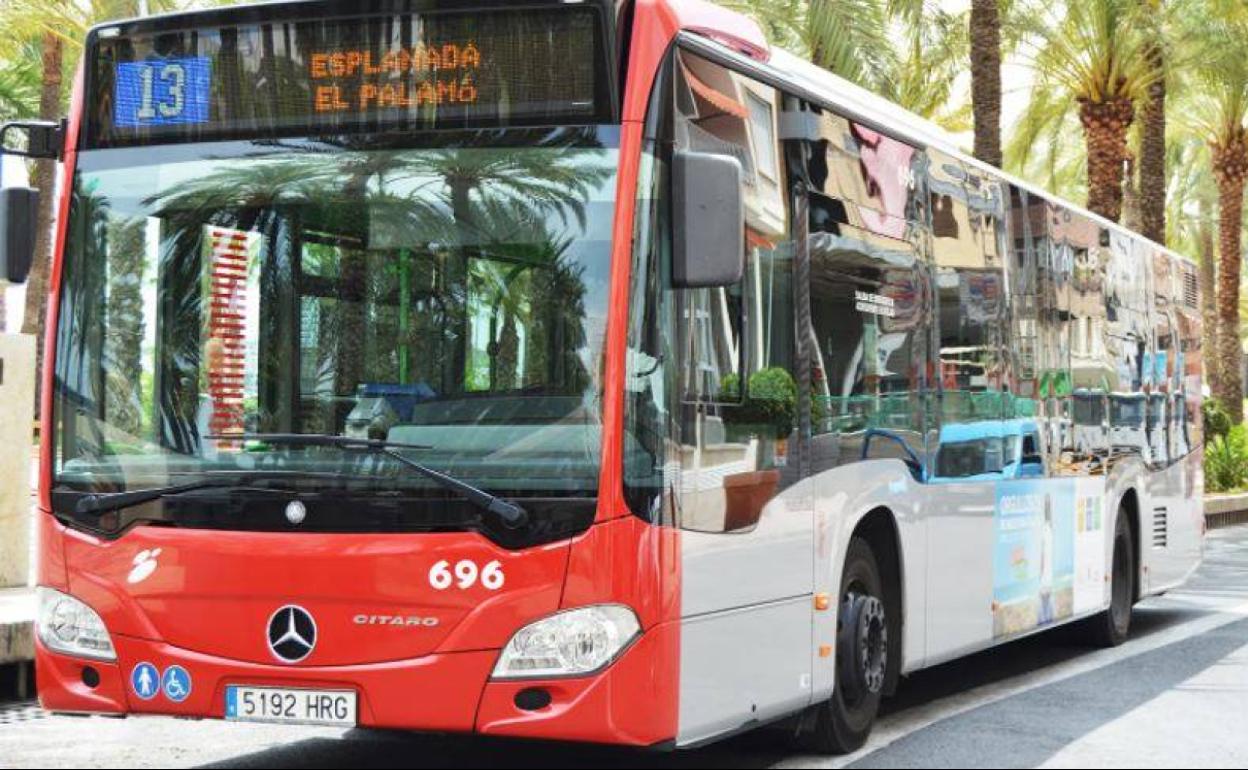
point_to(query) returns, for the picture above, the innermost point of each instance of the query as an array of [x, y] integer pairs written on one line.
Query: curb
[[1226, 510]]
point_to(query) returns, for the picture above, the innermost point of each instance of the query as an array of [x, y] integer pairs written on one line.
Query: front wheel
[[863, 646], [1110, 628]]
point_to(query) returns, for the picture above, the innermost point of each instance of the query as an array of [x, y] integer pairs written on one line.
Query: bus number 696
[[465, 574]]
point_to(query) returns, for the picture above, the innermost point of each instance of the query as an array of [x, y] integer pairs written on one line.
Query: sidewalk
[[1209, 733], [1226, 509]]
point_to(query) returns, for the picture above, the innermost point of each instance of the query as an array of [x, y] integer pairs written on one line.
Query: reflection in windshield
[[1126, 411], [453, 297]]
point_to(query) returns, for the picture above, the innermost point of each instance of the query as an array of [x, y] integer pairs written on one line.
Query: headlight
[[570, 643], [68, 626]]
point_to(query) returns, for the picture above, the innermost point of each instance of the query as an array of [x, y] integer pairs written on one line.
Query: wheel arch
[[878, 527]]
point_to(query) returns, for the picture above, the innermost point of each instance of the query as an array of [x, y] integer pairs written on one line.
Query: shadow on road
[[380, 749], [1022, 657], [371, 749], [1026, 729]]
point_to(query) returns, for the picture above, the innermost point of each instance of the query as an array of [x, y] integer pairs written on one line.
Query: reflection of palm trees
[[83, 373], [261, 184], [91, 365], [511, 276], [126, 246], [474, 184], [477, 217]]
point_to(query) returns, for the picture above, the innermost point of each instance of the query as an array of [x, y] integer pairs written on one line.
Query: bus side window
[[972, 320], [1189, 366], [869, 299], [1031, 458], [1160, 377]]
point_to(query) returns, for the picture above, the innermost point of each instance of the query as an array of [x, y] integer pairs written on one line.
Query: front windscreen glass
[[449, 293]]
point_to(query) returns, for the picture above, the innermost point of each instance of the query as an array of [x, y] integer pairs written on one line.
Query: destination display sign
[[528, 66]]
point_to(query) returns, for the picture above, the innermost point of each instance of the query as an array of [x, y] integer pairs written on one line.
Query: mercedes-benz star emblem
[[296, 512], [292, 634]]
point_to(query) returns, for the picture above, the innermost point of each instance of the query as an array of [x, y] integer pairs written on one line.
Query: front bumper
[[449, 692]]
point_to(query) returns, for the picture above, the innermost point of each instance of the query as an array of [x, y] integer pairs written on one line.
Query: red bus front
[[332, 418]]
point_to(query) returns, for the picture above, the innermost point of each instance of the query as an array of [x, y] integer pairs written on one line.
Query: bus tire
[[843, 723], [1110, 628]]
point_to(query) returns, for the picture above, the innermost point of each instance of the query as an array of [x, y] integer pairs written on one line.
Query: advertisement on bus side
[[1048, 552]]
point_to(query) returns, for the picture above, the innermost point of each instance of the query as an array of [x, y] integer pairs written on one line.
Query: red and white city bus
[[584, 370]]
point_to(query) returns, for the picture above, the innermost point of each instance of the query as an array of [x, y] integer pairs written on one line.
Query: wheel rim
[[863, 649]]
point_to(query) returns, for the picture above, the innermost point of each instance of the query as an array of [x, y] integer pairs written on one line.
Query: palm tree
[[44, 179], [1221, 117], [1209, 302], [928, 63], [1191, 220], [1152, 155], [1094, 55], [19, 98], [985, 32], [848, 37], [783, 21], [851, 38], [19, 80], [857, 40], [60, 26]]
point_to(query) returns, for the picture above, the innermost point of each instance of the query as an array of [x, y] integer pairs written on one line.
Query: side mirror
[[17, 232], [43, 139], [709, 232]]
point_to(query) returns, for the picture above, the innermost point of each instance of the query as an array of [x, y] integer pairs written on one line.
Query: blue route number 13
[[162, 92]]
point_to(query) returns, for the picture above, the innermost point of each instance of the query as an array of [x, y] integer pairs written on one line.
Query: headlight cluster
[[68, 626], [570, 643]]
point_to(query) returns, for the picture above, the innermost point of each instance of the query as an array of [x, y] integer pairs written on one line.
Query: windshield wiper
[[512, 515], [115, 501]]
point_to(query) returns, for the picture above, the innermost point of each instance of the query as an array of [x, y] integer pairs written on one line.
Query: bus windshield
[[447, 290]]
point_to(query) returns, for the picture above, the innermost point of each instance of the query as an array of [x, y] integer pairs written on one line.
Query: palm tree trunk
[[1105, 127], [1208, 298], [1131, 203], [1230, 168], [985, 29], [45, 181], [1152, 161]]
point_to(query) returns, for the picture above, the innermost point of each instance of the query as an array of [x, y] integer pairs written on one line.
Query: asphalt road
[[1176, 695]]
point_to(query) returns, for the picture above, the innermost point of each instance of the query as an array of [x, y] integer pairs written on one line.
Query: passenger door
[[741, 502]]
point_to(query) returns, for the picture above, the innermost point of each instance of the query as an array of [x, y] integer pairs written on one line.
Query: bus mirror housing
[[43, 139], [708, 243], [17, 232]]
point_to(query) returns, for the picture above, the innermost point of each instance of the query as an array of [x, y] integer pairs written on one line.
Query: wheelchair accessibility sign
[[176, 684]]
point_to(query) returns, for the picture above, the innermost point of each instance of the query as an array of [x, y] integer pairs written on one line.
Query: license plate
[[290, 705]]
